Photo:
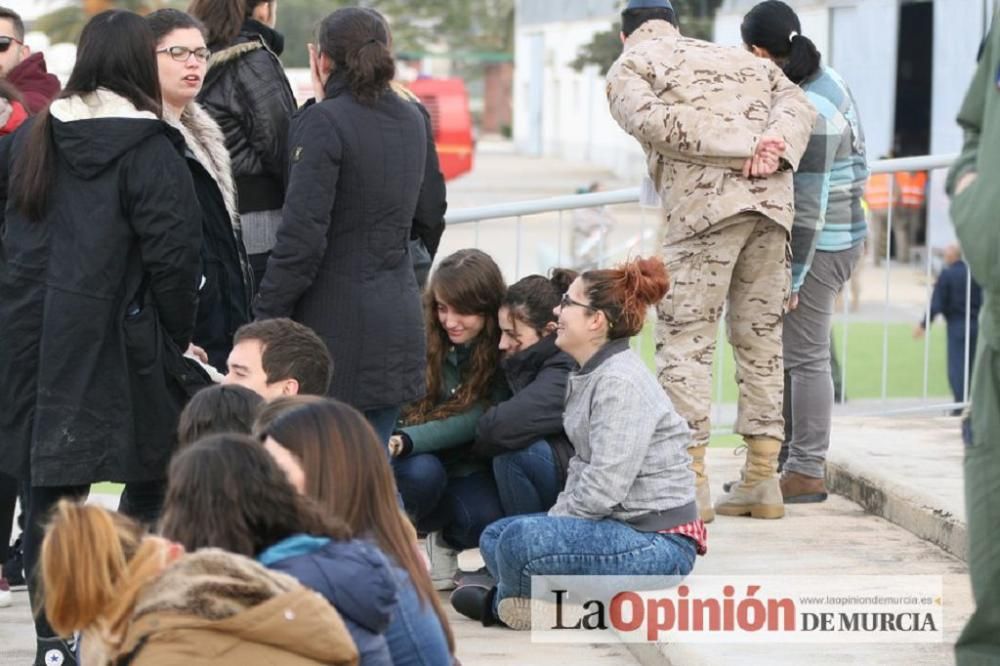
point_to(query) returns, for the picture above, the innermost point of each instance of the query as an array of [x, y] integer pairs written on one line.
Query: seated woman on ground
[[524, 435], [336, 452], [218, 409], [141, 600], [226, 492], [628, 507], [446, 489]]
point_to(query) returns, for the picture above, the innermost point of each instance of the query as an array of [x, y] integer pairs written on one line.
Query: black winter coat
[[97, 302], [225, 284], [341, 263], [248, 95], [537, 377]]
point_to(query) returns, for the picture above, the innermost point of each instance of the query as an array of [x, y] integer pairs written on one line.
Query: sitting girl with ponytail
[[139, 599], [524, 435], [628, 508]]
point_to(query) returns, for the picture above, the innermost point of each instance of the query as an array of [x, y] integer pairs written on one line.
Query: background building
[[908, 63]]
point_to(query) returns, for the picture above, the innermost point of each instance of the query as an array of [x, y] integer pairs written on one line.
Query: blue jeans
[[519, 547], [383, 421], [459, 507], [415, 635], [527, 480]]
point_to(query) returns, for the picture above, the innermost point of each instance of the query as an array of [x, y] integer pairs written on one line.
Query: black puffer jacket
[[341, 263], [248, 95], [537, 376], [98, 299]]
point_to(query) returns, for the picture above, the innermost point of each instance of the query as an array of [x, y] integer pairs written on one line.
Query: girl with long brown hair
[[629, 505], [141, 600], [226, 492], [447, 490], [333, 449]]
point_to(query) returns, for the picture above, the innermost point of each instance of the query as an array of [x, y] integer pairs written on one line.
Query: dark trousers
[[383, 421], [8, 502], [258, 264], [141, 501], [957, 365], [459, 507], [527, 480]]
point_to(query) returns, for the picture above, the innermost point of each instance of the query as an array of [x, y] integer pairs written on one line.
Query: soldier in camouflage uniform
[[722, 131]]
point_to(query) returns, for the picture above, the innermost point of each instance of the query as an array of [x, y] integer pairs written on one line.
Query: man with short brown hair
[[279, 357]]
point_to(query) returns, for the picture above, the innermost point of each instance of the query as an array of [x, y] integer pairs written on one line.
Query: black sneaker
[[475, 602], [55, 652], [13, 568]]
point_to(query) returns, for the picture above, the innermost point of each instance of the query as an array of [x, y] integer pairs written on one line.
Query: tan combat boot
[[758, 494], [702, 493]]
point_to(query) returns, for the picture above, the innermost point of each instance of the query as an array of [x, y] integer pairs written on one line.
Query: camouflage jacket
[[699, 109]]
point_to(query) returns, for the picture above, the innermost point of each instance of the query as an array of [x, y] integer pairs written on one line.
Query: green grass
[[864, 366], [107, 488]]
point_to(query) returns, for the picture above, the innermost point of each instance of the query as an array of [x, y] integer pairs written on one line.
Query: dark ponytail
[[532, 299], [357, 41], [774, 26]]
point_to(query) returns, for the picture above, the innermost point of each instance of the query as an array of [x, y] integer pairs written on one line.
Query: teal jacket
[[451, 438], [974, 210]]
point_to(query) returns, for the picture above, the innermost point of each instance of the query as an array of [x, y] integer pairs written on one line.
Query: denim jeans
[[527, 480], [415, 635], [383, 421], [459, 507], [519, 547]]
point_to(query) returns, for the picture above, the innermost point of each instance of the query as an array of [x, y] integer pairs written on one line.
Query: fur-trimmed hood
[[208, 146], [235, 51], [216, 607]]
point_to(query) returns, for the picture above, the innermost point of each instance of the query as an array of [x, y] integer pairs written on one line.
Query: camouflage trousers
[[740, 266]]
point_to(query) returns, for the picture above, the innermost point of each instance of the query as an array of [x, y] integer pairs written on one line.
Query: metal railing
[[517, 211]]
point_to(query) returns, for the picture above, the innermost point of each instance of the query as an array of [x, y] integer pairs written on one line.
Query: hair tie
[[792, 36]]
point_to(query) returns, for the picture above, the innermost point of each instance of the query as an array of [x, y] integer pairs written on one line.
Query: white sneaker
[[443, 562], [5, 597]]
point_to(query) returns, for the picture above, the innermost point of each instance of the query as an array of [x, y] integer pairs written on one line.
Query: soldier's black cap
[[649, 4]]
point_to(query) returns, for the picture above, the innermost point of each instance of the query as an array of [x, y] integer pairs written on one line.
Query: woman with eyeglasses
[[99, 272], [225, 282], [524, 435], [628, 508], [246, 91]]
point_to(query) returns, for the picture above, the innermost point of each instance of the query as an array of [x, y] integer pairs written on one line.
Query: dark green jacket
[[451, 438], [974, 210]]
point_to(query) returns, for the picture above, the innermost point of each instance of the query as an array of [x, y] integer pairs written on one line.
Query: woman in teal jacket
[[447, 490]]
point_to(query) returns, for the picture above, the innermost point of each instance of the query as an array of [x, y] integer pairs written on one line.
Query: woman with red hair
[[628, 508]]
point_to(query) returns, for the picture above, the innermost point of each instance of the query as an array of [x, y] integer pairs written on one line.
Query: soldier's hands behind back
[[766, 158]]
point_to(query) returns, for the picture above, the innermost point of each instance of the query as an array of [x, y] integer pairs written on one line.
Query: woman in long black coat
[[99, 267], [361, 179]]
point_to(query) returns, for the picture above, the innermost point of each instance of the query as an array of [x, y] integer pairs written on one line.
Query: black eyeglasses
[[566, 301], [6, 41], [182, 53]]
